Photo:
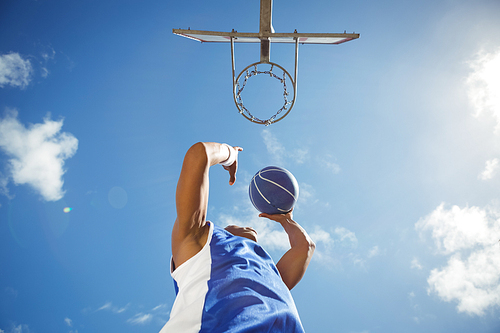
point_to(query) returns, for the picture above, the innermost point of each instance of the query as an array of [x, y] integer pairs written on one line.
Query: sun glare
[[484, 85]]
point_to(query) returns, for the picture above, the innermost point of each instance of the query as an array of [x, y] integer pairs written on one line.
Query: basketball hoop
[[264, 59], [253, 70], [265, 37]]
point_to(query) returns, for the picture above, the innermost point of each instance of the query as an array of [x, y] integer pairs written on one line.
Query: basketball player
[[226, 282]]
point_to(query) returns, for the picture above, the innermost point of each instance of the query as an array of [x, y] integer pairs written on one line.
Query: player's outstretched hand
[[233, 167], [280, 218]]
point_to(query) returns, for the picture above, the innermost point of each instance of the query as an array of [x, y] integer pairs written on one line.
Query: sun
[[484, 85]]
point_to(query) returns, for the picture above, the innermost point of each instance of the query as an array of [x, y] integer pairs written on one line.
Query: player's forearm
[[293, 265], [297, 235]]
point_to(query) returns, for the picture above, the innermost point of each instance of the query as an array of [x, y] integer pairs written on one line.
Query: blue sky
[[394, 140]]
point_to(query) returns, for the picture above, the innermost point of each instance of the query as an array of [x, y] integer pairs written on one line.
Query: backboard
[[242, 37]]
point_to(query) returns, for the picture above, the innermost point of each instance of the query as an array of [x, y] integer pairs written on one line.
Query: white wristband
[[232, 156]]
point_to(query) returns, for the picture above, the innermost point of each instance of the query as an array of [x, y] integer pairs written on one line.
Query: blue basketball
[[274, 190]]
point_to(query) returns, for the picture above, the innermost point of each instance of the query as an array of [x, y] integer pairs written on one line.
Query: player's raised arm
[[293, 265], [189, 232]]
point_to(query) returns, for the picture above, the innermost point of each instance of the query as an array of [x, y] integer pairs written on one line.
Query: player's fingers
[[271, 217], [232, 179]]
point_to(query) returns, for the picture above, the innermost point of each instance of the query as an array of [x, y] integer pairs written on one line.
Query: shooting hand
[[280, 218]]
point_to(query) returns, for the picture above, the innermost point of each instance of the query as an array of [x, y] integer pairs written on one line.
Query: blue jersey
[[231, 285]]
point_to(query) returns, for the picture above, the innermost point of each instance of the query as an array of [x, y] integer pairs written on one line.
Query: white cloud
[[324, 246], [37, 153], [484, 85], [279, 154], [14, 70], [45, 72], [157, 315], [105, 306], [273, 146], [160, 313], [374, 251], [21, 328], [299, 156], [120, 310], [473, 282], [415, 263], [490, 169], [48, 54], [469, 236], [456, 229], [68, 321], [140, 319], [159, 307], [306, 192], [327, 162], [110, 307], [321, 236], [346, 236]]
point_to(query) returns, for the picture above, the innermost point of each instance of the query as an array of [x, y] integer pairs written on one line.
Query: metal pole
[[266, 16], [234, 79], [296, 64], [232, 57], [266, 28]]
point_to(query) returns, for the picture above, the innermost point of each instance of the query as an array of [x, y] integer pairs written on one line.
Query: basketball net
[[255, 71]]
